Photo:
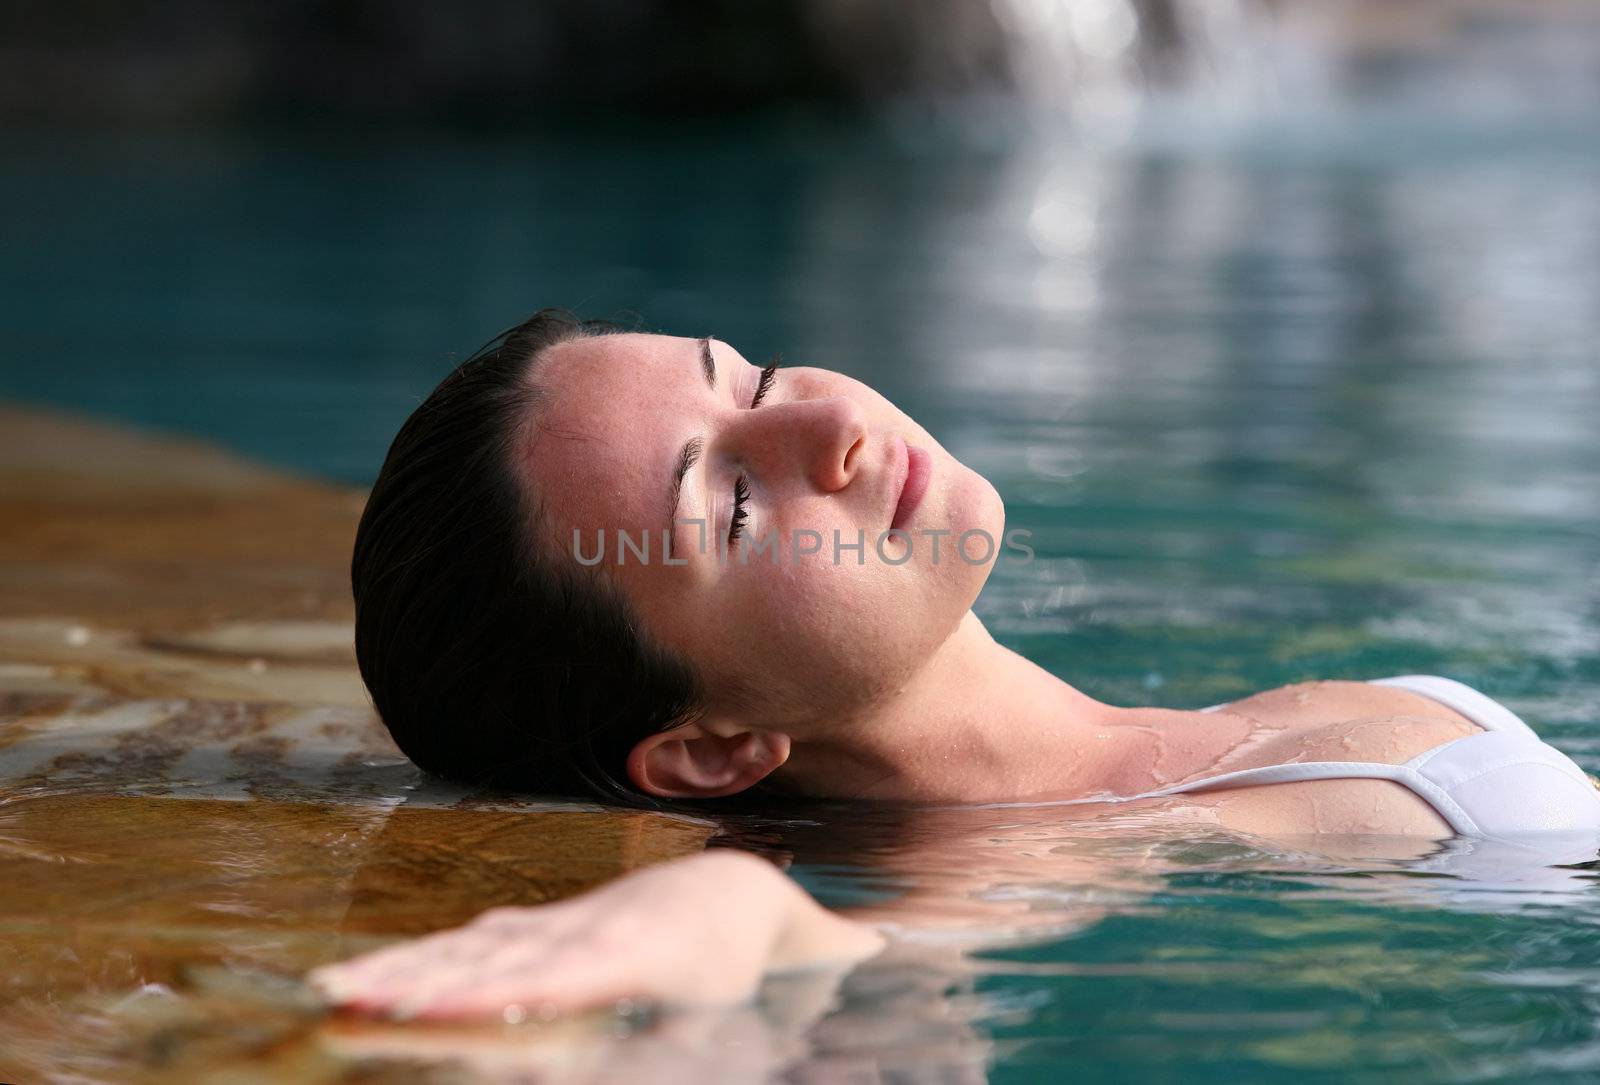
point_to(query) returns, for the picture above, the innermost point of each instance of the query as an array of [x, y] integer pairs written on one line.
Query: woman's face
[[649, 435]]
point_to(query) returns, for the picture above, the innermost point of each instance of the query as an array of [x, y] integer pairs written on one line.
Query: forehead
[[614, 413]]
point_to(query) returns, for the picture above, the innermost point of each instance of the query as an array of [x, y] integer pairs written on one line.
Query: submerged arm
[[703, 929], [708, 928]]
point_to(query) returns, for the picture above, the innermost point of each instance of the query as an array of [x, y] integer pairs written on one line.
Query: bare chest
[[1306, 705], [1309, 721]]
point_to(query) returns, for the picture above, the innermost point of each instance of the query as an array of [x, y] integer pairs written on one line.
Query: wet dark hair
[[491, 659]]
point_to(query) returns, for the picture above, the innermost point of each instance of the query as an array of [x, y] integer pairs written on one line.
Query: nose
[[824, 437]]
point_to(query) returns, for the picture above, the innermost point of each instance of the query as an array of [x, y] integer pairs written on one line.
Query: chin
[[974, 504], [971, 503]]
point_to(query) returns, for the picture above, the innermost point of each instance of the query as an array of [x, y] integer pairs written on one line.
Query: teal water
[[1276, 404]]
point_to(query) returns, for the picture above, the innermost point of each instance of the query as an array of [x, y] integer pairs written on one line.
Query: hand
[[697, 930]]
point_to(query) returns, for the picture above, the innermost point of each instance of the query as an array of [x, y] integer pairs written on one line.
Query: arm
[[707, 928], [702, 929]]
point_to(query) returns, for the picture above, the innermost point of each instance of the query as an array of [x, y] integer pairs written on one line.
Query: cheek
[[833, 635], [840, 634], [795, 609]]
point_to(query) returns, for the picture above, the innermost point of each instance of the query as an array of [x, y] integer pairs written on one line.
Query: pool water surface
[[1311, 399]]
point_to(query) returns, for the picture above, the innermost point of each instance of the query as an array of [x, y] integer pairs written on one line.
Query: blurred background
[[1276, 322]]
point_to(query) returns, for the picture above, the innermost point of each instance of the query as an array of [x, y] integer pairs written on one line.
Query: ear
[[703, 761]]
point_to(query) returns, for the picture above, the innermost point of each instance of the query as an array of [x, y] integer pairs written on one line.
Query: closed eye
[[741, 488]]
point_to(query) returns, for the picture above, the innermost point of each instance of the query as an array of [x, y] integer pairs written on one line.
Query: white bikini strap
[[1406, 775]]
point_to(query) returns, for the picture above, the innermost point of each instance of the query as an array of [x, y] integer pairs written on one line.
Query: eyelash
[[768, 373], [741, 489], [741, 494]]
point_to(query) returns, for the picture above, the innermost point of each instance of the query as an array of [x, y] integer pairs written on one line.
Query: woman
[[640, 568]]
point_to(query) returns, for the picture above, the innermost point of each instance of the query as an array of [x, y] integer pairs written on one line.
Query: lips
[[913, 483]]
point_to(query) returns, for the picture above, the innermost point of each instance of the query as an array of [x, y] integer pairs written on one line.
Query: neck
[[980, 723]]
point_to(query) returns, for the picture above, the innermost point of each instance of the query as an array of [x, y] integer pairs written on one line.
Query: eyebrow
[[708, 363], [693, 446]]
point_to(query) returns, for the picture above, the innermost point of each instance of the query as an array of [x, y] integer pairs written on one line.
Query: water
[[1308, 397]]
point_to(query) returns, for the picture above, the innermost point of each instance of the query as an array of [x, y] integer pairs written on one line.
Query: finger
[[575, 977], [551, 979], [516, 999], [406, 992], [489, 934], [475, 940], [465, 949]]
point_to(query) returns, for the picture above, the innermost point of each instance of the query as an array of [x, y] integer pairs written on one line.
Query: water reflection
[[1254, 942], [167, 935], [1303, 391]]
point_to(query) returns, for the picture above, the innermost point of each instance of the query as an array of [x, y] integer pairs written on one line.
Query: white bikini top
[[1503, 781]]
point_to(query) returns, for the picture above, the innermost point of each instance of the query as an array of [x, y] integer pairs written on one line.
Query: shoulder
[[1305, 704], [1389, 738]]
